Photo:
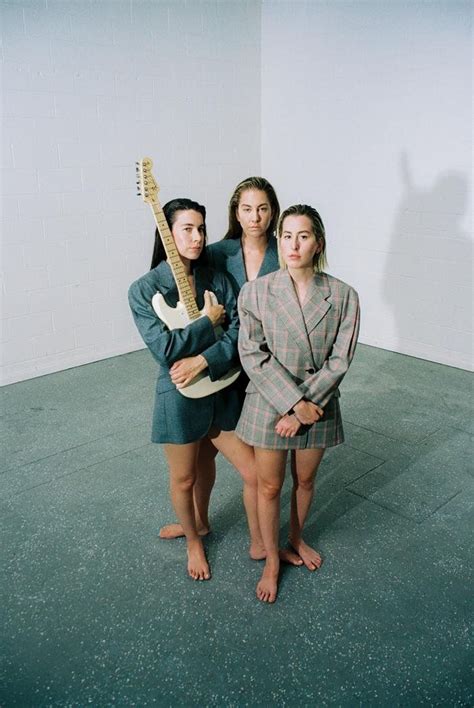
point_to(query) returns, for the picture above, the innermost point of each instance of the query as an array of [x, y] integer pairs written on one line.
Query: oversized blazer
[[291, 352], [227, 257], [177, 419]]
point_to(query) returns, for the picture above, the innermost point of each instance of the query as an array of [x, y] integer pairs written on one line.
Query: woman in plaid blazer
[[298, 333]]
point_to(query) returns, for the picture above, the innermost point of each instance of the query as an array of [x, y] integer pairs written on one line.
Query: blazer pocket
[[164, 384]]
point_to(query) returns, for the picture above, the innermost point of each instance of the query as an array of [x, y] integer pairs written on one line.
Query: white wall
[[89, 87], [366, 115]]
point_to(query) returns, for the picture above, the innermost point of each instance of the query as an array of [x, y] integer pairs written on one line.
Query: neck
[[301, 275], [256, 242]]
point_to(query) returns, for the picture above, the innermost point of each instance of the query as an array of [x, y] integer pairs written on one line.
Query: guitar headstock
[[146, 184]]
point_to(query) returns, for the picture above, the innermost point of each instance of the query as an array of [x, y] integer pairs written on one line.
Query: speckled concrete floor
[[96, 610]]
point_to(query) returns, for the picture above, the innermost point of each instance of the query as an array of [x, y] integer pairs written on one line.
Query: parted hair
[[170, 210], [319, 260], [234, 229]]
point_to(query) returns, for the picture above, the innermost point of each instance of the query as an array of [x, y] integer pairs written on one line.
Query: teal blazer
[[226, 256], [177, 419]]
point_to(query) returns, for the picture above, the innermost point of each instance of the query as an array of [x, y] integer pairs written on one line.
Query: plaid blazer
[[290, 352]]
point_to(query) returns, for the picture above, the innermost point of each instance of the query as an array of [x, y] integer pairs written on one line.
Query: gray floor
[[98, 611]]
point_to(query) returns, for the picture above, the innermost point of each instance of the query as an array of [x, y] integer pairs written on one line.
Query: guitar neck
[[177, 268]]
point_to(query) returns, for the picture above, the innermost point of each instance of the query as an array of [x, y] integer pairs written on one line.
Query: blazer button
[[310, 371]]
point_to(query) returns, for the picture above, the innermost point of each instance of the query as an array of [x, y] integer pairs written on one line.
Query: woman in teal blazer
[[248, 250], [191, 430]]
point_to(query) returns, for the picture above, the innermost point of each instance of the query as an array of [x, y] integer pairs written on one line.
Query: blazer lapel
[[166, 281], [235, 263], [289, 310], [270, 259], [316, 305]]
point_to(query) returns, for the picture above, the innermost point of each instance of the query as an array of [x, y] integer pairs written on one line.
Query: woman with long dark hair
[[192, 429]]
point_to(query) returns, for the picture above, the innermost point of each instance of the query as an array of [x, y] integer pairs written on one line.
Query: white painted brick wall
[[89, 88], [366, 114], [345, 91]]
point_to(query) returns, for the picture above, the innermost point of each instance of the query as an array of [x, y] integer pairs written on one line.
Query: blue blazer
[[226, 256], [177, 419]]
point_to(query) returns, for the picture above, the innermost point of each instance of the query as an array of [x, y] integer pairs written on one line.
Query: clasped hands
[[304, 413]]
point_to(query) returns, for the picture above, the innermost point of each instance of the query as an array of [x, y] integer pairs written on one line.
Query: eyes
[[303, 236], [189, 230], [263, 209]]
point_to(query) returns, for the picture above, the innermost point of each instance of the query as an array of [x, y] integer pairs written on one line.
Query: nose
[[197, 236], [255, 216], [295, 244]]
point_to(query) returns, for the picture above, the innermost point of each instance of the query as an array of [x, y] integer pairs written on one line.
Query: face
[[254, 212], [298, 244], [188, 233]]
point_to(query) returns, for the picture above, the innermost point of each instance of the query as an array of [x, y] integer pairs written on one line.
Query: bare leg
[[242, 457], [270, 473], [182, 460], [304, 465], [205, 479]]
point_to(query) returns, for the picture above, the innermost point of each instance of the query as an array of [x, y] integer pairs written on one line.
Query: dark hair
[[234, 229], [170, 210], [319, 260]]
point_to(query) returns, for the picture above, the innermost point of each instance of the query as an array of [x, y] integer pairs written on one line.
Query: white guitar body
[[177, 318]]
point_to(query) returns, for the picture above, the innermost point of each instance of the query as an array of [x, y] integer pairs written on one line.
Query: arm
[[166, 346], [321, 386], [270, 378], [222, 354]]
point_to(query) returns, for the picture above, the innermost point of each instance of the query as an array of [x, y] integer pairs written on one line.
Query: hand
[[216, 313], [288, 426], [185, 370], [308, 412]]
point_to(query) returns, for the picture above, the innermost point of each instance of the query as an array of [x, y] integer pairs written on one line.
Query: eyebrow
[[258, 205], [303, 231]]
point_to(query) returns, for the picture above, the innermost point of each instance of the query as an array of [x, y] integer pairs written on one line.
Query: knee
[[184, 485], [306, 484], [269, 490], [249, 475]]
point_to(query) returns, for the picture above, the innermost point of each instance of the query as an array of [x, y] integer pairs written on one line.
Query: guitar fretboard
[[179, 274]]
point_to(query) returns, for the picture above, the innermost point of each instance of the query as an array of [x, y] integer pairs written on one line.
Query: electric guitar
[[186, 310]]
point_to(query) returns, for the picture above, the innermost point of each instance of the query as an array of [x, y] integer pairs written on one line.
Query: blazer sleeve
[[166, 346], [271, 379], [222, 354], [321, 386]]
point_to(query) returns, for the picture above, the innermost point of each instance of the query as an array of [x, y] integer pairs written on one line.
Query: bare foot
[[198, 567], [289, 556], [308, 555], [171, 531], [268, 584], [257, 552]]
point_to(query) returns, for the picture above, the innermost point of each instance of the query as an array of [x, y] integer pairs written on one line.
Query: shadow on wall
[[428, 276]]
